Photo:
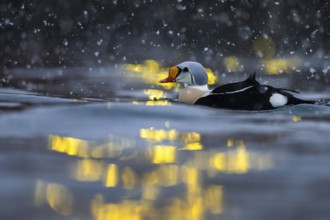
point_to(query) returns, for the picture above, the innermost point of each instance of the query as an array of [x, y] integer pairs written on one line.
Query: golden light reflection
[[163, 154], [153, 103], [158, 135], [111, 176], [210, 199], [39, 193], [230, 142], [190, 137], [154, 93], [150, 192], [68, 145], [231, 162], [155, 98], [239, 160], [213, 199], [165, 168], [168, 175], [113, 147], [193, 146], [125, 210], [87, 170], [129, 178], [190, 176], [57, 196], [189, 140], [296, 118]]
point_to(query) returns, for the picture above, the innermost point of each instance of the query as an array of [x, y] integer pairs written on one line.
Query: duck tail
[[295, 101], [292, 100]]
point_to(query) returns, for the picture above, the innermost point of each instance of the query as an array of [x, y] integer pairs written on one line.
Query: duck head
[[189, 73]]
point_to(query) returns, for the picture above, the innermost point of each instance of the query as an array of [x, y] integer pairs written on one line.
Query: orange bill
[[172, 74]]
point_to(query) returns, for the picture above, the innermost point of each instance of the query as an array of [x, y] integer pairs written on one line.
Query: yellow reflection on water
[[168, 175], [153, 103], [231, 162], [163, 154], [39, 193], [68, 145], [190, 176], [111, 176], [193, 146], [213, 199], [125, 210], [154, 96], [189, 140], [210, 200], [113, 147], [190, 137], [154, 93], [129, 178], [57, 196], [87, 170], [239, 160], [171, 159], [158, 135], [230, 142], [296, 118], [150, 192]]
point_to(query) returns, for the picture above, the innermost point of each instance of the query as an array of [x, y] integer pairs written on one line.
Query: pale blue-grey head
[[197, 72], [189, 72]]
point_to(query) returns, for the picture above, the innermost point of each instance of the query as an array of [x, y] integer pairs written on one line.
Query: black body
[[231, 87], [247, 95]]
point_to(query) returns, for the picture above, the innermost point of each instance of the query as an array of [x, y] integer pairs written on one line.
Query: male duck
[[246, 95]]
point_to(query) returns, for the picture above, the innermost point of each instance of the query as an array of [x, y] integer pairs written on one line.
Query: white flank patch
[[277, 100]]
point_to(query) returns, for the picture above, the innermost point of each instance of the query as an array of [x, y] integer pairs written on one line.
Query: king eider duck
[[246, 95]]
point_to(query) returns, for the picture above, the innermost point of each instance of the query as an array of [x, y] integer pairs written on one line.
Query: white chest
[[191, 94]]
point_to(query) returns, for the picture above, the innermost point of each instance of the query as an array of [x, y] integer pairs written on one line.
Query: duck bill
[[167, 80]]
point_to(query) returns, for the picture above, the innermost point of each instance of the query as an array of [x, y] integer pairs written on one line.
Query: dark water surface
[[90, 146]]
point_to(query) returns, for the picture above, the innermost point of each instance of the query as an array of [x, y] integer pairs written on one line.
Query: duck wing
[[237, 86]]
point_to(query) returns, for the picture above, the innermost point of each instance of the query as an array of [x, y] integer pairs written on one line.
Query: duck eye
[[185, 69]]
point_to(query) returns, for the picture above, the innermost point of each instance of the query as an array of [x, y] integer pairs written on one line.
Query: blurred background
[[88, 33], [82, 137]]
